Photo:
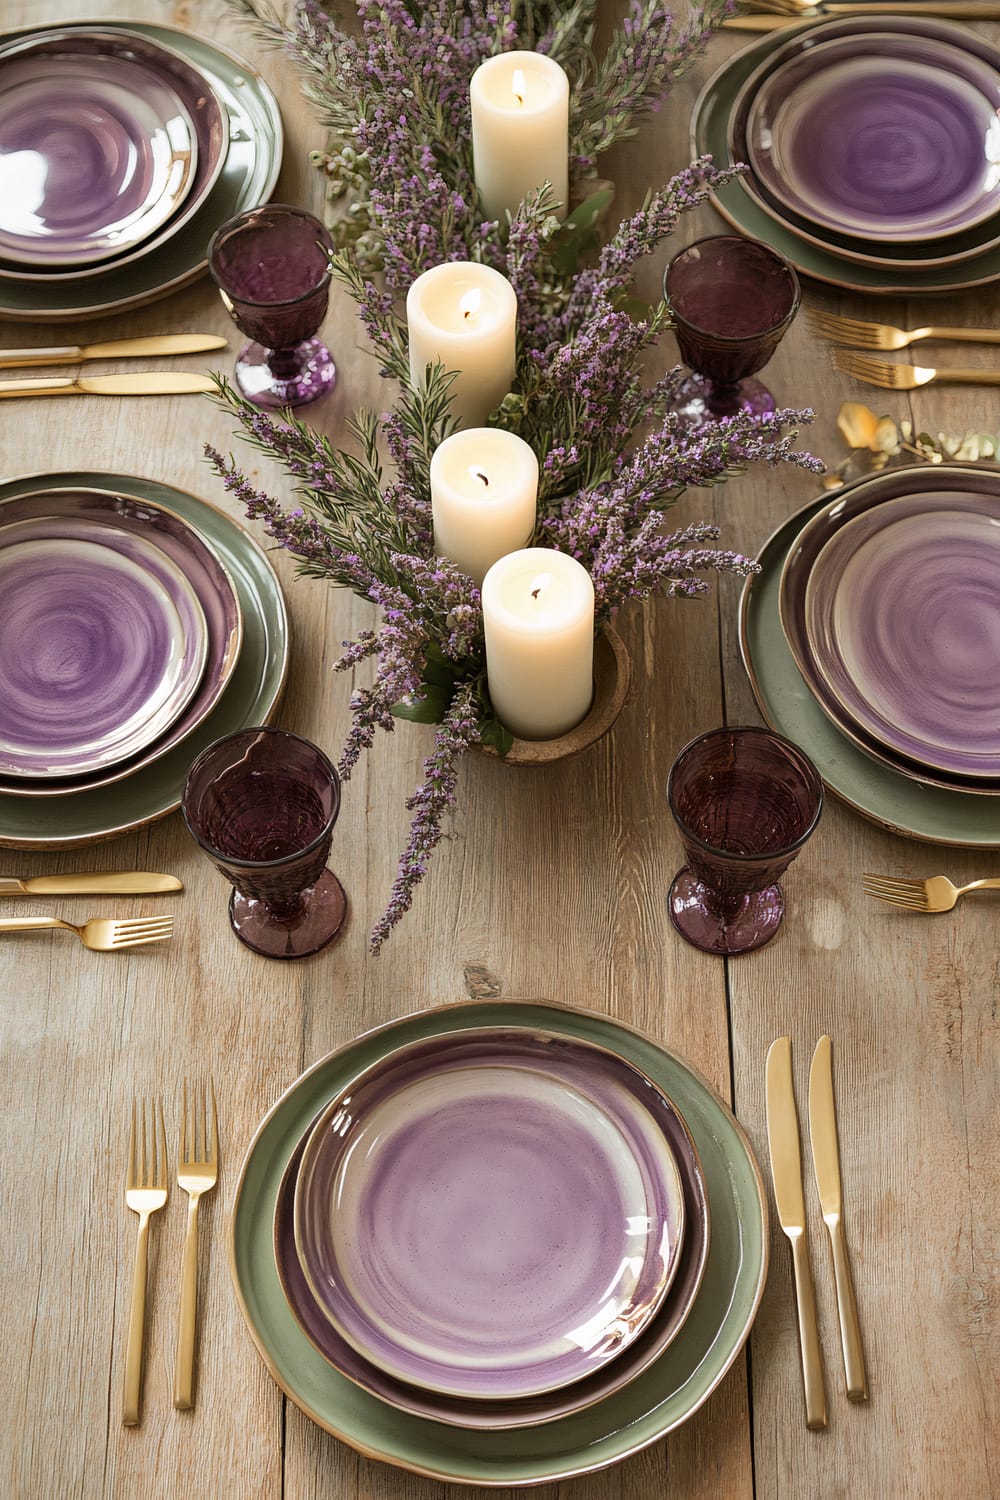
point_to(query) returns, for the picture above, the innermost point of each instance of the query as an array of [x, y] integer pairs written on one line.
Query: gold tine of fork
[[880, 372], [896, 894], [855, 332], [129, 932], [145, 1193]]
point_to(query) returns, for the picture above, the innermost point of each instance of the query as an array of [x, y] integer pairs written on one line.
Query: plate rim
[[585, 1016], [485, 1035]]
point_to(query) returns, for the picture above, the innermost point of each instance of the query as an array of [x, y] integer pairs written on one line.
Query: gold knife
[[75, 354], [953, 10], [786, 1169], [103, 882], [144, 383], [826, 1165]]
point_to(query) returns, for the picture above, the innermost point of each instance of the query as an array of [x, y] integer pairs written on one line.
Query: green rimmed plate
[[710, 135], [248, 176], [935, 815], [658, 1400], [100, 813]]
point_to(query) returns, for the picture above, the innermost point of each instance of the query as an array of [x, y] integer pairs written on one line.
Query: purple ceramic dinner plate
[[103, 645], [885, 136], [210, 120], [121, 521], [530, 1411], [493, 1216], [96, 154], [890, 604], [903, 255]]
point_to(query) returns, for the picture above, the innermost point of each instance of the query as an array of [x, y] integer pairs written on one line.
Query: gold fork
[[197, 1172], [102, 934], [935, 894], [145, 1193], [907, 377], [884, 336]]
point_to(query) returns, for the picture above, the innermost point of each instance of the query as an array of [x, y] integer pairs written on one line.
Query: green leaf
[[578, 234], [492, 732], [429, 707]]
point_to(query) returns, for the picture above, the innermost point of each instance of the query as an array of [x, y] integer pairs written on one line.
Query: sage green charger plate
[[933, 814], [629, 1419], [710, 135], [89, 817], [248, 176]]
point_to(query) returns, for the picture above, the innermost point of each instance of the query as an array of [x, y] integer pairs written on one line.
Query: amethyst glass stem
[[744, 801], [732, 301], [272, 268], [262, 804]]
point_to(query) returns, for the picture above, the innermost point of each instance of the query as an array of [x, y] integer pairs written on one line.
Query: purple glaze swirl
[[489, 1216], [102, 647]]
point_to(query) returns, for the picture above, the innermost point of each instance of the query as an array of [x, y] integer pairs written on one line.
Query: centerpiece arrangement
[[516, 355]]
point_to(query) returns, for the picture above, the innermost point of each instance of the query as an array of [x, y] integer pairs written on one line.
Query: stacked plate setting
[[502, 1222], [872, 149], [122, 149], [871, 636], [139, 624]]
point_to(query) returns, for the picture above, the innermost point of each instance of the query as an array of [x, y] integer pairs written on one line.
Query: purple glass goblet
[[272, 268], [262, 804], [744, 801], [732, 301]]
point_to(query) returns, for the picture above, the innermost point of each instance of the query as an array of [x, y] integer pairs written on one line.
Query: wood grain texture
[[552, 886]]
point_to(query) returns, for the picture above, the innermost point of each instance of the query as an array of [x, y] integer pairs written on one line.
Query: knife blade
[[142, 383], [826, 1165], [786, 1171], [76, 354], [94, 883], [953, 10]]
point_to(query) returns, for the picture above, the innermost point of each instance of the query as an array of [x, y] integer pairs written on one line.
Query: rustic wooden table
[[553, 887]]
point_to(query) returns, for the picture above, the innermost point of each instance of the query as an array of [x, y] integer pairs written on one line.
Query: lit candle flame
[[540, 584], [518, 85], [470, 303]]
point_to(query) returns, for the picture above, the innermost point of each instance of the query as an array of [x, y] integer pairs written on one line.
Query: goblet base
[[700, 402], [318, 920], [286, 377], [720, 925]]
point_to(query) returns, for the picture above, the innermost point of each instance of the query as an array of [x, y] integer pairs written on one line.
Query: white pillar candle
[[520, 130], [484, 492], [538, 614], [464, 315]]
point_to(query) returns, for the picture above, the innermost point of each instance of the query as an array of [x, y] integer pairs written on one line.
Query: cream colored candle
[[484, 490], [464, 315], [520, 130], [538, 612]]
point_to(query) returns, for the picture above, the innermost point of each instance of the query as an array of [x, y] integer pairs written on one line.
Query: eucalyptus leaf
[[429, 708]]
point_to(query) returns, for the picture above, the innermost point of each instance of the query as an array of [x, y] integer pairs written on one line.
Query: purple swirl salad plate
[[493, 1216]]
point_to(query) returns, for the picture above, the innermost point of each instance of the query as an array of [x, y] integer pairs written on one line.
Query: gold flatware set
[[901, 377], [139, 383], [786, 1170], [101, 934], [146, 1192], [887, 338]]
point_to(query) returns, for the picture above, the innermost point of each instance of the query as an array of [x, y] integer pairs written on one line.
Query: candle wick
[[482, 476], [535, 593]]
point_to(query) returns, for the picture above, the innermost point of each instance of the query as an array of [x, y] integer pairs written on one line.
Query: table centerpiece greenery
[[613, 454]]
